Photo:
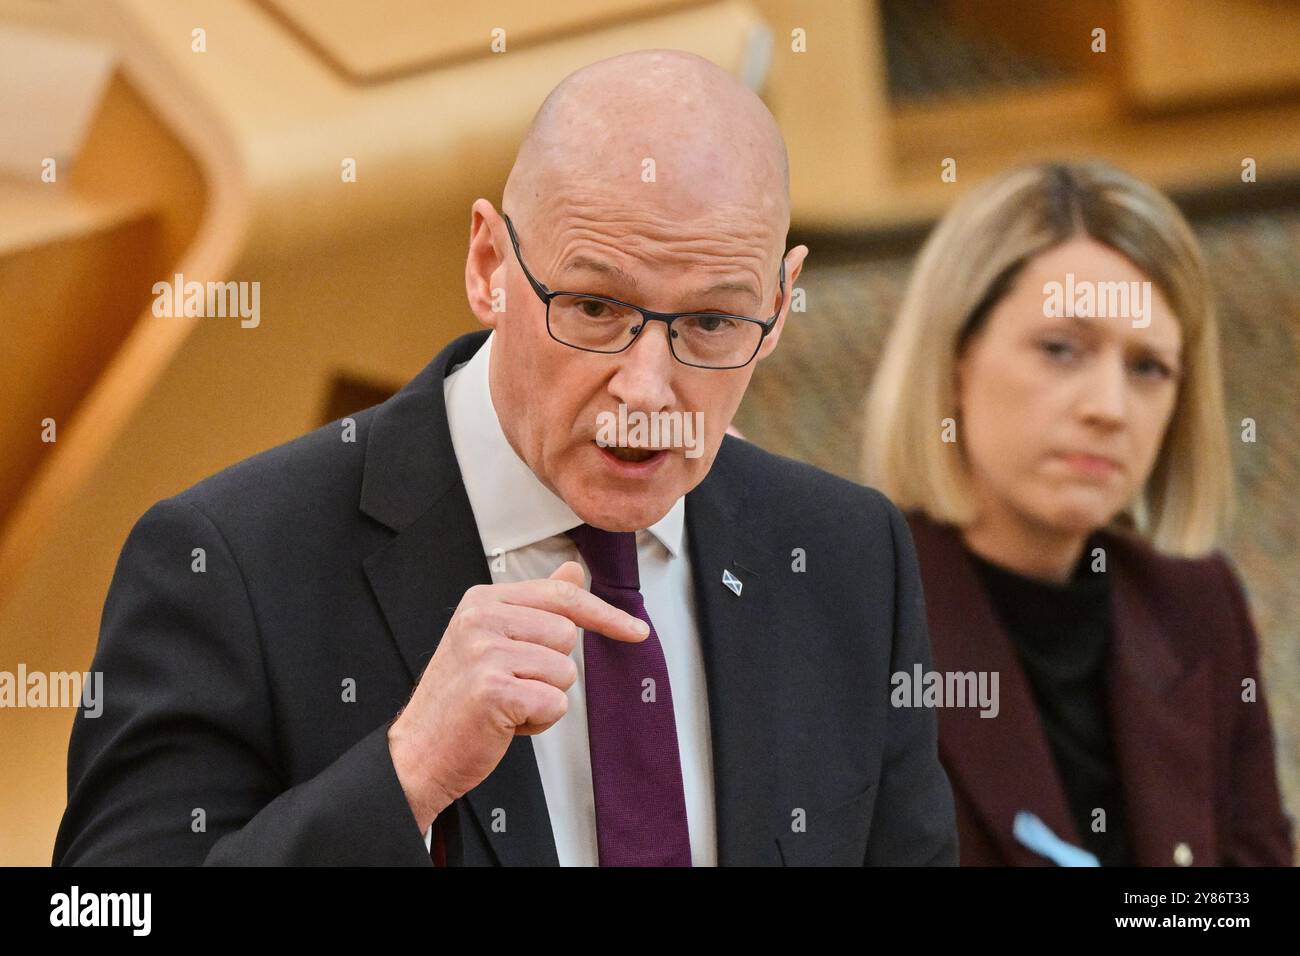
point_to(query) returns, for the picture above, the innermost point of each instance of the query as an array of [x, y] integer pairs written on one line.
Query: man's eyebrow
[[729, 285], [581, 262], [587, 263]]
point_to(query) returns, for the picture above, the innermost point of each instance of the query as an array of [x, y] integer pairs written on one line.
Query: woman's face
[[1062, 418]]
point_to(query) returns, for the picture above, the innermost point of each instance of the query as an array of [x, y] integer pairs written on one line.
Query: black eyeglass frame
[[648, 315]]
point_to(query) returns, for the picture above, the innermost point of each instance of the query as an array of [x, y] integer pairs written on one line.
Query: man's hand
[[501, 669]]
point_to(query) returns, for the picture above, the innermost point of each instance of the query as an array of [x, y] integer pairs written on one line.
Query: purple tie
[[636, 772]]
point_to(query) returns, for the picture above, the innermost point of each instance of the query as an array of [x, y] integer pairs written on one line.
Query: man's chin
[[621, 511]]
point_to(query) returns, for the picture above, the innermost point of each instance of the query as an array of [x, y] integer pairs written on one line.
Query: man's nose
[[643, 379], [1105, 395]]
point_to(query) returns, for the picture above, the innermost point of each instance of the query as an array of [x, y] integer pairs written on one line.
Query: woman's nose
[[1105, 392]]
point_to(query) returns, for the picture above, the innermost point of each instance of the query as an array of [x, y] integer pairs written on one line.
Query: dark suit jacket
[[1195, 761], [330, 562]]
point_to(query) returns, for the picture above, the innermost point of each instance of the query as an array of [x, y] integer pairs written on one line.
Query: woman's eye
[[1057, 348], [1153, 368]]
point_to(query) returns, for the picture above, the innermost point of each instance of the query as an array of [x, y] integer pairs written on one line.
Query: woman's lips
[[1089, 464]]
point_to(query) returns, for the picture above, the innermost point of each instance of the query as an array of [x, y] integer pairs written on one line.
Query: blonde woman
[[1048, 412]]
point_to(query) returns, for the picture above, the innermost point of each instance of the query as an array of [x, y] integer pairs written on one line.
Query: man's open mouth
[[624, 453]]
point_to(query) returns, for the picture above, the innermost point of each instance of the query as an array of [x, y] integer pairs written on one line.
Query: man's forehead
[[656, 226], [583, 266], [655, 151], [622, 246]]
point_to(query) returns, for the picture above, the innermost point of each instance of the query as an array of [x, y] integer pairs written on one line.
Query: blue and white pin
[[731, 582]]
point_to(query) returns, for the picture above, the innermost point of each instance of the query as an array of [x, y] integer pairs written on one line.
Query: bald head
[[660, 127]]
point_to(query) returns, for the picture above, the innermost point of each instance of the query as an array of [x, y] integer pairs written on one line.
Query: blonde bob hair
[[968, 263]]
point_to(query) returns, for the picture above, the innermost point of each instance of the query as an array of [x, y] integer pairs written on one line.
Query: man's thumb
[[570, 571]]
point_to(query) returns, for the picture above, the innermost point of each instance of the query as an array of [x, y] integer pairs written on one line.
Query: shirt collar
[[512, 507]]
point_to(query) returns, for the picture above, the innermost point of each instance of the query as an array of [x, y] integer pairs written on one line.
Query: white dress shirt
[[521, 524]]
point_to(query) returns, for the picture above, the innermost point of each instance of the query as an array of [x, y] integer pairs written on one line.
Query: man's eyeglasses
[[597, 323]]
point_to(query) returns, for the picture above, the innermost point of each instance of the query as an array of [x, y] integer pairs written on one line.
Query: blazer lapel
[[1161, 719], [412, 484], [743, 637], [1002, 764]]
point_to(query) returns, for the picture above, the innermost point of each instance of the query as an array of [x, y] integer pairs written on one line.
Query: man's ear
[[793, 266], [485, 273]]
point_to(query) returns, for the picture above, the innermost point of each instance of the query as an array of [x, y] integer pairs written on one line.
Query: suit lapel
[[1002, 764], [1161, 718], [743, 638], [412, 484]]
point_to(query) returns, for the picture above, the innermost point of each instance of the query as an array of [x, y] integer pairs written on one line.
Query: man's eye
[[712, 323], [592, 308]]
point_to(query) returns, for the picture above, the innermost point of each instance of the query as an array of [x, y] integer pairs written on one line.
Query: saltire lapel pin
[[730, 581]]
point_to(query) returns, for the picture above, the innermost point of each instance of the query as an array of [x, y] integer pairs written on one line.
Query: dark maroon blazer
[[1196, 762]]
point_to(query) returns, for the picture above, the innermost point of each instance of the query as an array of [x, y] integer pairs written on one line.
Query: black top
[[1060, 632]]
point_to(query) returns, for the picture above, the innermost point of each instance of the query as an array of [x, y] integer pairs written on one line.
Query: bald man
[[543, 609]]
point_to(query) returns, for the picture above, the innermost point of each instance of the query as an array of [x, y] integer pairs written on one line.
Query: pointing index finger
[[579, 605]]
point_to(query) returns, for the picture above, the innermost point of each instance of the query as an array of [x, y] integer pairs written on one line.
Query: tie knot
[[610, 556]]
